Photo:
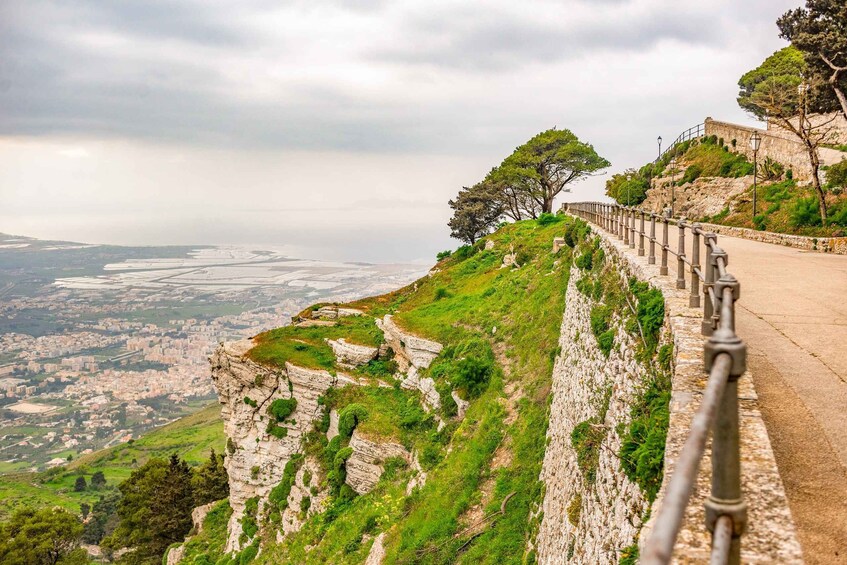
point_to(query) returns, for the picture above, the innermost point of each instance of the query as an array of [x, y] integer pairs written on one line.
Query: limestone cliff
[[256, 459]]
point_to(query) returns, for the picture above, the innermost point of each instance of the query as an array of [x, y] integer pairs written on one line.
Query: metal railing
[[691, 133], [725, 360]]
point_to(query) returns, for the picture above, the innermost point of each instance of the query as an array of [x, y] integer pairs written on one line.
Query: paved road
[[793, 316]]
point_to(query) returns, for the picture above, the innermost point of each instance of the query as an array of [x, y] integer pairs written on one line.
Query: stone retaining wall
[[779, 147], [837, 245], [771, 536]]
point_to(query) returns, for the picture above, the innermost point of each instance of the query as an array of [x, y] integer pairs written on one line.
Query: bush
[[464, 252], [642, 449], [760, 222], [692, 173], [836, 176], [770, 170], [586, 438], [282, 408], [585, 261], [250, 402], [443, 255], [546, 219], [805, 213], [349, 417], [473, 374], [441, 292], [601, 316]]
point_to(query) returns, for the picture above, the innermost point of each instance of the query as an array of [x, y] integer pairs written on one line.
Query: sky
[[336, 129]]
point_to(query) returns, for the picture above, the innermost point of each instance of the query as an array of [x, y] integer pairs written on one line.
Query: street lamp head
[[755, 141], [673, 162], [659, 140]]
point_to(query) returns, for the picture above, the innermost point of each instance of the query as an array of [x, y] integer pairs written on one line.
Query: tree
[[80, 484], [542, 167], [84, 509], [628, 188], [155, 510], [98, 480], [780, 91], [476, 210], [517, 202], [42, 537], [820, 31], [210, 481], [103, 520]]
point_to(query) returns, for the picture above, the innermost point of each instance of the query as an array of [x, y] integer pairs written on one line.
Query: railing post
[[694, 297], [709, 240], [680, 255], [726, 497], [632, 228], [641, 233], [625, 226], [663, 268], [651, 258]]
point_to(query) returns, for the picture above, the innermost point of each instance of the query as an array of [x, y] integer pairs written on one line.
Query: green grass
[[305, 346], [191, 438]]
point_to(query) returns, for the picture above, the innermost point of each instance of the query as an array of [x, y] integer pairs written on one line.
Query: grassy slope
[[190, 437], [517, 313]]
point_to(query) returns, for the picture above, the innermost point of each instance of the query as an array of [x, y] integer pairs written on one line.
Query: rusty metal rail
[[691, 133], [724, 359]]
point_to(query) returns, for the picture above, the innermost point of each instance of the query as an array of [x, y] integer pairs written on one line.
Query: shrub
[[770, 170], [805, 212], [250, 402], [601, 316], [305, 504], [248, 554], [473, 374], [547, 219], [759, 222], [276, 430], [586, 438], [349, 417], [443, 255], [430, 456], [575, 509], [282, 408], [838, 214], [642, 449], [441, 292], [836, 175], [629, 555], [605, 341], [585, 261], [692, 173], [464, 252]]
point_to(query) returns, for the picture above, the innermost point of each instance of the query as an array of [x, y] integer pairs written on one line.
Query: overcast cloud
[[337, 128]]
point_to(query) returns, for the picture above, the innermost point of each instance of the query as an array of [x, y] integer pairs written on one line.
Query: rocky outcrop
[[335, 312], [413, 353], [410, 350], [351, 355], [706, 196], [255, 458], [198, 516], [365, 465], [377, 552], [291, 517]]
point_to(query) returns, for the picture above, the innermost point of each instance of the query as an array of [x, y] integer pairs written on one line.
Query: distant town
[[99, 344]]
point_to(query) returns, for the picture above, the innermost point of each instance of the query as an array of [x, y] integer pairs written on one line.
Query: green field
[[190, 437]]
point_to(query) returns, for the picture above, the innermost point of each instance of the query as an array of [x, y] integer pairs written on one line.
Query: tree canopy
[[476, 211], [782, 92], [628, 188], [545, 165], [42, 537], [819, 31]]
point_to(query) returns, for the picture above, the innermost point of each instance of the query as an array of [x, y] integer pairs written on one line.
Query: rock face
[[351, 355], [589, 522], [198, 515], [377, 552], [255, 459], [413, 353], [365, 465], [335, 312], [705, 196], [291, 521]]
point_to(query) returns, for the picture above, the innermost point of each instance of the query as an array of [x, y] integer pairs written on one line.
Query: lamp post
[[660, 148], [673, 183], [755, 142]]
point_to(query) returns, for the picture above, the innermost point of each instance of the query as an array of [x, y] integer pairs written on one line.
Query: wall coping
[[836, 245], [771, 535]]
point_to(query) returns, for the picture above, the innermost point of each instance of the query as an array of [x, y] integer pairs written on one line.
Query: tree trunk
[[833, 82], [816, 181]]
